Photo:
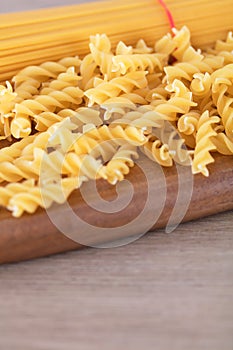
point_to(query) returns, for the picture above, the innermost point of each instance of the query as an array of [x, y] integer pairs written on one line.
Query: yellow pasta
[[85, 118], [120, 164], [145, 62], [180, 101], [158, 152], [107, 89], [222, 92], [223, 144], [27, 196], [100, 47], [204, 144]]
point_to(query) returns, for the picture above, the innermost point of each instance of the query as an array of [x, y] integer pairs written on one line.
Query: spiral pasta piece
[[64, 80], [13, 171], [80, 116], [189, 61], [223, 144], [201, 84], [62, 133], [58, 164], [119, 134], [34, 76], [27, 109], [158, 152], [116, 107], [28, 196], [15, 150], [224, 49], [115, 87], [193, 64], [181, 42], [222, 93], [83, 144], [120, 164], [226, 45], [100, 47], [141, 48], [87, 72], [188, 123], [169, 136], [204, 144], [45, 71], [7, 97], [28, 81], [142, 118], [123, 49], [157, 94], [2, 131], [8, 191], [139, 62], [180, 101], [165, 45], [55, 99], [55, 163]]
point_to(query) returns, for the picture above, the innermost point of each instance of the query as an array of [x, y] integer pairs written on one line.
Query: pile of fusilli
[[79, 119]]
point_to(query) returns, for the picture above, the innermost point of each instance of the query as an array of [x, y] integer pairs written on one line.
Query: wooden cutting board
[[34, 236]]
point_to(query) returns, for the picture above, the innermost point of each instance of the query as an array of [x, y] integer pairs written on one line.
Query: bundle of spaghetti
[[36, 36]]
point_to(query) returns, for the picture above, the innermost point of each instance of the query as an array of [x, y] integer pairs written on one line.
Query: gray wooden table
[[161, 292]]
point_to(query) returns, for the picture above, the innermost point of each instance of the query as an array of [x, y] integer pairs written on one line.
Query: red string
[[168, 13]]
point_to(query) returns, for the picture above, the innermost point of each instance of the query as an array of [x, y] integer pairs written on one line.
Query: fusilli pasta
[[87, 119]]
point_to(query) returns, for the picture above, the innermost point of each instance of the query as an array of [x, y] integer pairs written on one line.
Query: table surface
[[164, 291]]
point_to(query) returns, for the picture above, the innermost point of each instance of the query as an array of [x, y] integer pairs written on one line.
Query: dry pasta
[[120, 164], [79, 119]]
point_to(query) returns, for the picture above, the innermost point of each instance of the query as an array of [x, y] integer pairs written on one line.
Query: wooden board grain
[[35, 235]]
